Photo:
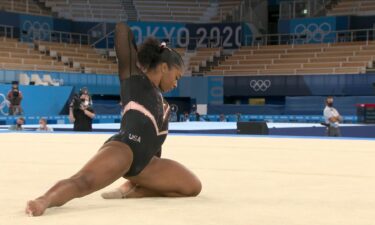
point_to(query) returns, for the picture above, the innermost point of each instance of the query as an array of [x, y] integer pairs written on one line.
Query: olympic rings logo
[[260, 85], [36, 30], [3, 104], [174, 108], [313, 31]]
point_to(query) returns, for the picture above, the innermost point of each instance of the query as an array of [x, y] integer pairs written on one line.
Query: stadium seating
[[21, 56], [170, 10], [24, 6], [141, 10], [353, 7], [225, 9], [183, 11], [50, 56], [24, 79], [118, 10], [48, 79], [64, 57], [88, 10], [201, 56], [81, 58], [336, 58], [37, 81]]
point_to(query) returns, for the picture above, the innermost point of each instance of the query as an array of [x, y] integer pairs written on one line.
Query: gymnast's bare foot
[[36, 207]]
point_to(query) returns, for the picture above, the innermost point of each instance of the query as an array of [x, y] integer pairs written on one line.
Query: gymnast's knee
[[193, 189]]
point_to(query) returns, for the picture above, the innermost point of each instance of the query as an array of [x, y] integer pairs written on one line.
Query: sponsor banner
[[174, 32], [205, 90], [315, 85], [184, 35], [37, 100], [314, 30], [35, 28], [226, 35]]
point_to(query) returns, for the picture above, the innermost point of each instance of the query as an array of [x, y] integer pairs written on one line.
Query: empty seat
[[37, 81], [23, 79], [320, 59], [48, 79]]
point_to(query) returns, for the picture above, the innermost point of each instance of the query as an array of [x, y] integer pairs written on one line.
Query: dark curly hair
[[152, 53]]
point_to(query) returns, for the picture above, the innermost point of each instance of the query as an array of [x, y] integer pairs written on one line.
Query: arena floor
[[246, 180]]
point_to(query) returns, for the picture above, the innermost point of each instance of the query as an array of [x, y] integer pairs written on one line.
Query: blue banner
[[314, 30], [205, 90], [215, 90], [35, 27], [230, 35], [174, 32], [38, 100], [362, 22], [9, 18], [226, 35], [309, 85]]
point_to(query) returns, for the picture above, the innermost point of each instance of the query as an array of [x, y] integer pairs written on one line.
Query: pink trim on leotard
[[140, 108]]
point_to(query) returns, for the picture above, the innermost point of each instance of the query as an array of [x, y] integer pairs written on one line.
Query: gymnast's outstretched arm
[[126, 51]]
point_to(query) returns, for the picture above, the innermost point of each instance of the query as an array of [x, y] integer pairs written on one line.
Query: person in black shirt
[[15, 97], [133, 152], [81, 112]]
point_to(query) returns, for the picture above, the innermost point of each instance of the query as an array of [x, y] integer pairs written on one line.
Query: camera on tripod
[[77, 101], [15, 93]]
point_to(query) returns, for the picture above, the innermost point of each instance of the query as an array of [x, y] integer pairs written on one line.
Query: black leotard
[[144, 124]]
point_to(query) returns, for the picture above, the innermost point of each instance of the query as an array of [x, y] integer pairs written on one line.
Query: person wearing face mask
[[332, 118], [43, 126], [18, 126], [81, 112], [132, 153]]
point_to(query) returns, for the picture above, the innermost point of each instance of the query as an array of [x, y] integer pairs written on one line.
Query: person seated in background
[[238, 117], [15, 97], [186, 117], [43, 126], [18, 126], [222, 118]]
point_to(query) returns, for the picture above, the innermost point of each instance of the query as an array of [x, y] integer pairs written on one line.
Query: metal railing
[[97, 33], [308, 37], [59, 36], [68, 37], [86, 12], [16, 6], [108, 40], [365, 35], [6, 31], [303, 8], [305, 37], [250, 11]]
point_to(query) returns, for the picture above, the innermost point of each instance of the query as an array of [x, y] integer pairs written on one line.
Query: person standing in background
[[15, 97], [81, 112], [332, 118]]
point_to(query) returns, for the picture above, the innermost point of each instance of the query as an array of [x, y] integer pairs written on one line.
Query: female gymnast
[[133, 152]]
